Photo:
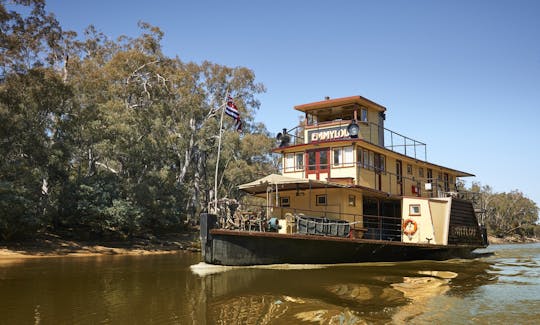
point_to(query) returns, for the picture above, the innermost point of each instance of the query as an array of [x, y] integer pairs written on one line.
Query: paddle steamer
[[350, 190]]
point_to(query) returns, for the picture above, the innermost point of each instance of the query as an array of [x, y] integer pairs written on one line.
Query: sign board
[[337, 132]]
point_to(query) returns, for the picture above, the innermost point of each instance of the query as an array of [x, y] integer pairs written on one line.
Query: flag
[[232, 111]]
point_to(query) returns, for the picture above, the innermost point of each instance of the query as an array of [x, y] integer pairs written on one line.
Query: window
[[414, 209], [420, 172], [446, 183], [352, 200], [284, 201], [363, 115], [311, 160], [429, 175], [294, 162], [382, 163], [323, 159], [365, 159], [409, 169], [343, 157], [321, 199], [379, 163], [289, 162], [371, 160], [299, 161]]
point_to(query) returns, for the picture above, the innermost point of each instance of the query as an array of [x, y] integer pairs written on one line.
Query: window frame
[[342, 154], [412, 210], [352, 200], [296, 160], [318, 200], [364, 117]]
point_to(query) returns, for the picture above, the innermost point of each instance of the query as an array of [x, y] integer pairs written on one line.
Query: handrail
[[373, 137], [254, 218]]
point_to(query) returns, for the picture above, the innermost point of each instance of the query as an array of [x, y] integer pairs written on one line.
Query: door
[[399, 174], [318, 166]]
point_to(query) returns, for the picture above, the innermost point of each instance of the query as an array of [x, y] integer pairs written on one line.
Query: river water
[[498, 288]]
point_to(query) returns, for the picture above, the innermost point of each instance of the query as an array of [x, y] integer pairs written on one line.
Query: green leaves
[[123, 137]]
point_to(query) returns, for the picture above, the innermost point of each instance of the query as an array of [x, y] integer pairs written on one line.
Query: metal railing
[[314, 222], [372, 133]]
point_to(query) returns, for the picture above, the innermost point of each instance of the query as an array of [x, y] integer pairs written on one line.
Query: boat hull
[[230, 247]]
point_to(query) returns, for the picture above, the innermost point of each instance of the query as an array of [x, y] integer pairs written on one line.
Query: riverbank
[[512, 240], [50, 245]]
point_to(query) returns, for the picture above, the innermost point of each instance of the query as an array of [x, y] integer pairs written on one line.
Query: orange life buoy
[[408, 230]]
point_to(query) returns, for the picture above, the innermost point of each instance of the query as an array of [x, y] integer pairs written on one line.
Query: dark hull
[[228, 247]]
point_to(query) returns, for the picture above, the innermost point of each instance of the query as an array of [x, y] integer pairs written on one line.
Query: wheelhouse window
[[364, 115], [343, 157]]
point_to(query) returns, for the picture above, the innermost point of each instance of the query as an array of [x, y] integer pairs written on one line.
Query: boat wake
[[203, 269]]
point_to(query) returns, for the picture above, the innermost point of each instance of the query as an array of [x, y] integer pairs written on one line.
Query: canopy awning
[[284, 183]]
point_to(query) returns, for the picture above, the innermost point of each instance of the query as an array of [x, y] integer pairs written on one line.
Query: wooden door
[[318, 164]]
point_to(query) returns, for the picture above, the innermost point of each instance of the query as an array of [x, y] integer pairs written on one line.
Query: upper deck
[[333, 119], [344, 140]]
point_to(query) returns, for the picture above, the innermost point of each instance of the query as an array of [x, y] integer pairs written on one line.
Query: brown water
[[503, 288]]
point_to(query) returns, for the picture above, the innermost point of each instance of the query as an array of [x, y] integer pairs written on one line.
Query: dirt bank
[[512, 240], [49, 245]]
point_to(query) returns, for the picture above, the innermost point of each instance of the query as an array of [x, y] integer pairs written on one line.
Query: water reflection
[[354, 293], [163, 289]]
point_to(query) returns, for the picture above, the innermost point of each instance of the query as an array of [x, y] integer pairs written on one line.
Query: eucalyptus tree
[[105, 136], [33, 99]]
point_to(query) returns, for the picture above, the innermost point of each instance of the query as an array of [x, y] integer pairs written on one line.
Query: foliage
[[507, 213], [109, 137]]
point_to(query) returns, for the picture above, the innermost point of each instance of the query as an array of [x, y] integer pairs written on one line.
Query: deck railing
[[313, 222], [372, 133]]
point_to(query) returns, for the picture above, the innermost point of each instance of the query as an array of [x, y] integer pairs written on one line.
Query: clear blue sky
[[461, 76]]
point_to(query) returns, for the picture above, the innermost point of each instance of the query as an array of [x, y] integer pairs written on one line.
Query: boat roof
[[284, 183], [340, 102]]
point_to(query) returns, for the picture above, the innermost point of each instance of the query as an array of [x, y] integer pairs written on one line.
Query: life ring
[[408, 230]]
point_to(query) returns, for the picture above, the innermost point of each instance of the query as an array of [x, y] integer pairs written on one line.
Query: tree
[[111, 137], [507, 213]]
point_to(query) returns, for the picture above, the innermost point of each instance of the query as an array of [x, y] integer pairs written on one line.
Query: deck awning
[[284, 183]]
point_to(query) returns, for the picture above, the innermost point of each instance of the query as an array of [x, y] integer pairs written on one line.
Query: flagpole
[[219, 153]]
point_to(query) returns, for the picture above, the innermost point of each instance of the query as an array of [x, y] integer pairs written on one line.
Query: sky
[[461, 76]]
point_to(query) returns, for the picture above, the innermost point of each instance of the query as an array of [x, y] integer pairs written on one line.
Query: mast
[[219, 152]]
